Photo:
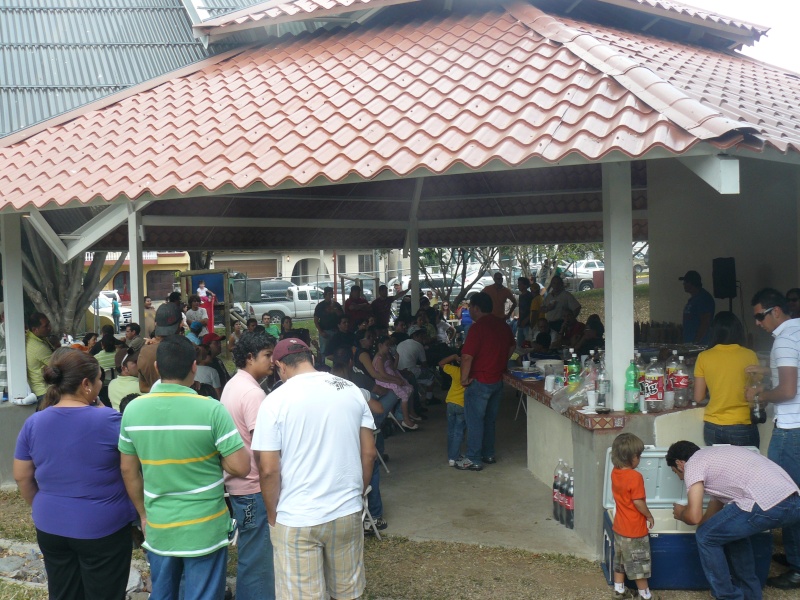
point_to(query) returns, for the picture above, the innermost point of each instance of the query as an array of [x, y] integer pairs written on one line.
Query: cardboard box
[[675, 560]]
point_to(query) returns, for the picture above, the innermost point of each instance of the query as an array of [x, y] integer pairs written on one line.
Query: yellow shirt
[[37, 354], [536, 307], [723, 369], [455, 395]]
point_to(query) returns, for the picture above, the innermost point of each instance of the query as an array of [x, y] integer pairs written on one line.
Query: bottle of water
[[631, 388], [654, 387], [589, 360], [680, 384], [603, 386], [556, 489]]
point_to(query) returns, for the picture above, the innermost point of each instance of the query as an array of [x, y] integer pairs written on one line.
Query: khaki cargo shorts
[[632, 556]]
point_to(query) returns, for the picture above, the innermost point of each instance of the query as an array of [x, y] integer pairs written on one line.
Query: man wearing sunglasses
[[771, 314]]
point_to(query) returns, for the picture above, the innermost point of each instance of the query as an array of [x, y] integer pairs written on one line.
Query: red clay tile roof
[[431, 95], [270, 12]]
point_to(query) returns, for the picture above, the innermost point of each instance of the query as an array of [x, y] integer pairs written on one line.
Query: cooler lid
[[662, 486]]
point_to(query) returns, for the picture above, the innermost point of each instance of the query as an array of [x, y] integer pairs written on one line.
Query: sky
[[779, 46]]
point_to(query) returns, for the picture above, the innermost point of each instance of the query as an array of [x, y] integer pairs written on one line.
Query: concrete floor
[[503, 505]]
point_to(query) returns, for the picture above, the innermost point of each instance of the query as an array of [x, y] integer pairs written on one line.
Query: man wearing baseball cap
[[168, 320], [317, 451], [212, 342], [699, 310]]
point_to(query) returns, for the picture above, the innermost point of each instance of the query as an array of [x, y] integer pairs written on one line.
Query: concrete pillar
[[413, 243], [617, 243], [135, 267], [11, 240]]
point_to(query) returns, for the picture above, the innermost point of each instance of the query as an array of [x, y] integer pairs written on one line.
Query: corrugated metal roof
[[680, 8], [57, 55], [431, 93]]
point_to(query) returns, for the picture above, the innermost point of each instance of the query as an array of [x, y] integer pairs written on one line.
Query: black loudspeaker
[[723, 272]]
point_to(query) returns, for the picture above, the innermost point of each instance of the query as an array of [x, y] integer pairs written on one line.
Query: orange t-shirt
[[627, 485]]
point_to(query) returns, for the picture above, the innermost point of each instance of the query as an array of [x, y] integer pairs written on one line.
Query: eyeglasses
[[763, 315]]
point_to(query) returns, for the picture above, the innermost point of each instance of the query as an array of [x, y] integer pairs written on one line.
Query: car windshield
[[102, 302]]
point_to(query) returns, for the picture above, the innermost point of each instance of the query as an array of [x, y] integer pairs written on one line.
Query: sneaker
[[627, 594], [489, 460], [788, 581], [380, 525], [466, 464], [452, 462]]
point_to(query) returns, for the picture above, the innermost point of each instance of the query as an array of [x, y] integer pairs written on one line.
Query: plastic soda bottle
[[654, 386], [669, 374], [574, 369], [556, 483], [632, 388], [569, 502], [680, 384], [562, 496]]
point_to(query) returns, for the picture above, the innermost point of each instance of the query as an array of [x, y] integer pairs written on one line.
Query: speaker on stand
[[723, 274]]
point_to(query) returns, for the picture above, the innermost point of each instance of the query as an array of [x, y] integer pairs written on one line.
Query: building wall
[[690, 224]]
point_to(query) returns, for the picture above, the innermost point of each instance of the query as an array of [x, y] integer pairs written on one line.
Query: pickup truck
[[298, 303]]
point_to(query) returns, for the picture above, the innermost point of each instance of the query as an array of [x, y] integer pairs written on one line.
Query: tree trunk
[[200, 261], [62, 292]]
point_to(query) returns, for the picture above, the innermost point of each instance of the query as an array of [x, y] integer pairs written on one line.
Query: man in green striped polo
[[175, 445]]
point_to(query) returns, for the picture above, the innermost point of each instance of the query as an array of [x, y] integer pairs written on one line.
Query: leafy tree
[[543, 259], [455, 265], [199, 260], [62, 292]]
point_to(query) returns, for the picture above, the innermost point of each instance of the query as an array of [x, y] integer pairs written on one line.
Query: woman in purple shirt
[[66, 465]]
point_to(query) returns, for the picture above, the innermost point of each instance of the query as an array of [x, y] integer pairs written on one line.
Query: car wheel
[[638, 269], [586, 285], [276, 316]]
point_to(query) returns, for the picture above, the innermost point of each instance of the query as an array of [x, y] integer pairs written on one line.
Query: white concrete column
[[11, 247], [413, 243], [135, 267], [618, 292]]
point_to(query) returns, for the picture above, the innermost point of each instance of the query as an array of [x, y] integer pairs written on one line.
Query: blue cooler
[[675, 560]]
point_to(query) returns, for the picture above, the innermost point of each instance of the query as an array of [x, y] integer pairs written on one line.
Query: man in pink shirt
[[749, 493], [242, 397]]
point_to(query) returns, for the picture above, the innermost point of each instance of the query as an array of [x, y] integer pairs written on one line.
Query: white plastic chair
[[522, 404], [380, 458]]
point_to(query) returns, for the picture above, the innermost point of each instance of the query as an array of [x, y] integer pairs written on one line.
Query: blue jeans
[[733, 577], [784, 449], [374, 501], [735, 435], [255, 575], [204, 576], [456, 425], [481, 405]]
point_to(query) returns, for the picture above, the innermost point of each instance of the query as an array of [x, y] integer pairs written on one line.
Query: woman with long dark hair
[[66, 465], [720, 370]]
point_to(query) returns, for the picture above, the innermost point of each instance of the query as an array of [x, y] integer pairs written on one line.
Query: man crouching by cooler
[[749, 494], [316, 453]]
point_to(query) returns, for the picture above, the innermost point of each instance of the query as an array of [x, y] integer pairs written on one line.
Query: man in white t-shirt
[[242, 397], [316, 457], [771, 313], [412, 358], [197, 313]]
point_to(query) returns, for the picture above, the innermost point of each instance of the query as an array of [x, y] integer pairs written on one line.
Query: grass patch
[[593, 302], [13, 591], [16, 523]]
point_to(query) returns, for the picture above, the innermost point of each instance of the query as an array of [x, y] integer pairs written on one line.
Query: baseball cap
[[211, 337], [289, 346], [168, 319], [692, 277], [196, 326]]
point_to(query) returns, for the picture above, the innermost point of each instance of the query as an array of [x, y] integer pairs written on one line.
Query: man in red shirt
[[356, 307], [484, 359]]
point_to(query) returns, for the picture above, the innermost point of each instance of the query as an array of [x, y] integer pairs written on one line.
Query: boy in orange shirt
[[632, 518]]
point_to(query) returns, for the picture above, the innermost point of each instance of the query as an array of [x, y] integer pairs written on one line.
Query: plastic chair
[[522, 404], [366, 516], [396, 422]]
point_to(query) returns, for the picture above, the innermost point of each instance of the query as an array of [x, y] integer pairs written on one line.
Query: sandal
[[413, 427], [416, 419]]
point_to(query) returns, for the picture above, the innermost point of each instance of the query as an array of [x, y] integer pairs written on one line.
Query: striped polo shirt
[[786, 353], [179, 437]]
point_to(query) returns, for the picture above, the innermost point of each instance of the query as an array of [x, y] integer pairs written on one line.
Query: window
[[302, 295], [366, 263], [341, 263]]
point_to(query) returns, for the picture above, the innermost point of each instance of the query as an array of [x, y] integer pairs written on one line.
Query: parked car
[[575, 283], [298, 302], [102, 305], [111, 294], [584, 268]]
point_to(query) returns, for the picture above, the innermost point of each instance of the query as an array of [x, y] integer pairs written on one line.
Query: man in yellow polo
[[37, 352]]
